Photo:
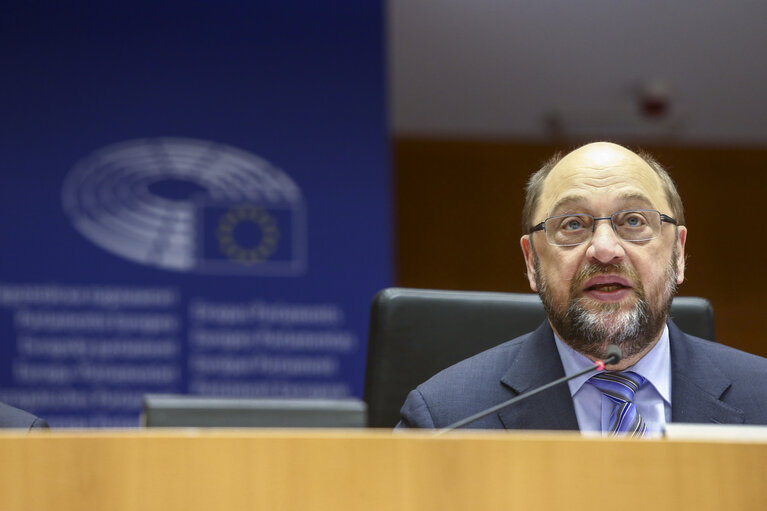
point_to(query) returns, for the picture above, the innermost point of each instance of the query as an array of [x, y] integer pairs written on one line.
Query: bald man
[[604, 244]]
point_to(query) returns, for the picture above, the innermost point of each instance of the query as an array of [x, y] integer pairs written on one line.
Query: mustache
[[592, 270]]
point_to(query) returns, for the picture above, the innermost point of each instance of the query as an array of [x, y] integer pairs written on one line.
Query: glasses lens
[[637, 225], [568, 229]]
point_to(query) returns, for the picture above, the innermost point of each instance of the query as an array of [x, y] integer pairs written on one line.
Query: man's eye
[[634, 221], [572, 224]]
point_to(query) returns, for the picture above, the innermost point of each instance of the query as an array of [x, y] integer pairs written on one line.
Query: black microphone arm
[[612, 356]]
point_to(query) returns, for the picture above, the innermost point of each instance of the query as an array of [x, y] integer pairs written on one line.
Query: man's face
[[606, 290]]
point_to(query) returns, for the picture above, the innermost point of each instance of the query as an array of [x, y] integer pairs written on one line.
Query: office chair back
[[415, 333]]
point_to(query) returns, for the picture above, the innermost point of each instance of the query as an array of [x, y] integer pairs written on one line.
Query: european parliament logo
[[189, 205]]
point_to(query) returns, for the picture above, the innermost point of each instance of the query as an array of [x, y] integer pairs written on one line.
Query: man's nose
[[605, 246]]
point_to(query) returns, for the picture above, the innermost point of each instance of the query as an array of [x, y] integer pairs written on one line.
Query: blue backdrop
[[194, 198]]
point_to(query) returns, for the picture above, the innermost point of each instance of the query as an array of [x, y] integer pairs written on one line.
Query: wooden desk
[[372, 470]]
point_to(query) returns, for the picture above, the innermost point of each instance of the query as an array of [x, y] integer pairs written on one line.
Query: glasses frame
[[542, 226]]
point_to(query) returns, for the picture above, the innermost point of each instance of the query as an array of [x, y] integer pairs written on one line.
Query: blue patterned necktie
[[619, 388]]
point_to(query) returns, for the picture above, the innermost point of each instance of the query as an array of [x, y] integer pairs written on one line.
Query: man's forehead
[[602, 172]]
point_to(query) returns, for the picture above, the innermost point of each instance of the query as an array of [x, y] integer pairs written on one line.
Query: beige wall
[[458, 222]]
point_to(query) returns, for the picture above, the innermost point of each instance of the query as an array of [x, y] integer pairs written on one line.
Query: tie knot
[[618, 386]]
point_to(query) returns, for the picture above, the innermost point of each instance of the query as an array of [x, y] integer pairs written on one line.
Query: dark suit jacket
[[710, 383], [11, 417]]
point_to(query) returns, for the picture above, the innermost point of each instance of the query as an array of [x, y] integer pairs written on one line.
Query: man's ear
[[528, 252], [681, 239]]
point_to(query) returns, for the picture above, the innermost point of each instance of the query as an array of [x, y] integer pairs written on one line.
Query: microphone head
[[613, 355]]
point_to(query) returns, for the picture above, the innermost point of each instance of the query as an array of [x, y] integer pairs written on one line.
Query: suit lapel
[[535, 363], [697, 385]]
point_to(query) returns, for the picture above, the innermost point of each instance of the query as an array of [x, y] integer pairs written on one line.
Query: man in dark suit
[[604, 248], [11, 417]]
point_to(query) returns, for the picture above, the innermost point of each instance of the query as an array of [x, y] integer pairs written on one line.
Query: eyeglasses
[[578, 228]]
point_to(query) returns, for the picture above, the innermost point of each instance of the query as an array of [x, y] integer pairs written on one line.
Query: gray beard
[[590, 332]]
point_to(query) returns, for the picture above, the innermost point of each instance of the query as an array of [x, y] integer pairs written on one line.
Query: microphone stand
[[599, 365]]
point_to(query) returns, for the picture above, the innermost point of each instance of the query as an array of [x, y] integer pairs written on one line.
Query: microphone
[[613, 355]]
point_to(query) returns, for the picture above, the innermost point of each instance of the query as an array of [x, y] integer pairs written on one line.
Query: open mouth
[[606, 288], [601, 285]]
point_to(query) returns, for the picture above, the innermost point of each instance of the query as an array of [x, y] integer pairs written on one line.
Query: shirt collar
[[655, 366]]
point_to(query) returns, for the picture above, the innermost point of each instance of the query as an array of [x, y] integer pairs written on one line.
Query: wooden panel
[[459, 204], [193, 470]]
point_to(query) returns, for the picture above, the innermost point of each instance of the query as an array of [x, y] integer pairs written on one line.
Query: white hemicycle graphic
[[114, 197]]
